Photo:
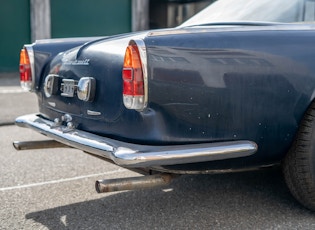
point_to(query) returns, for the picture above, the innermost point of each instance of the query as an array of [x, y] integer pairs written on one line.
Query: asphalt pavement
[[54, 189]]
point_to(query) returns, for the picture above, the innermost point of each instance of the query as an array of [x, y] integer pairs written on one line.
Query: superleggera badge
[[76, 62]]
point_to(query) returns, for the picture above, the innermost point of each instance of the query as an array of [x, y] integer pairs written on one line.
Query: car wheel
[[299, 164]]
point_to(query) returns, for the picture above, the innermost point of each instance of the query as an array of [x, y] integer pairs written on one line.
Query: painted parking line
[[11, 89], [62, 180]]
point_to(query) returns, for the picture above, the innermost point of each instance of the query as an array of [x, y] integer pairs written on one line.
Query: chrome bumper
[[133, 155]]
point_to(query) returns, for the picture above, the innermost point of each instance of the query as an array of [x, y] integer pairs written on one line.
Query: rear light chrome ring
[[31, 56], [143, 56]]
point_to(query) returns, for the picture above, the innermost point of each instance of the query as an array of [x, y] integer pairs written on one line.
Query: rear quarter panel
[[233, 85]]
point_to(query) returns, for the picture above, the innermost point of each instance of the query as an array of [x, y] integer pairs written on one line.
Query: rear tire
[[299, 164]]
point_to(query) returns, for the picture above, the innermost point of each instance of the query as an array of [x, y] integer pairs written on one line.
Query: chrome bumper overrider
[[132, 155]]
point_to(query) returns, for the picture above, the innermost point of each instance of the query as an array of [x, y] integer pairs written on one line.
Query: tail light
[[26, 70], [135, 76]]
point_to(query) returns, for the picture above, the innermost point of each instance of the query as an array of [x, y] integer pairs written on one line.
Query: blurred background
[[24, 21]]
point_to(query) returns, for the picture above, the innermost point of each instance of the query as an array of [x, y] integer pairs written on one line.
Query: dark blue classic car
[[231, 89]]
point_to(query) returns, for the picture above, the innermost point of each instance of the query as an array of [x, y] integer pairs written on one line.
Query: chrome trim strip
[[93, 113], [52, 104], [132, 155], [31, 56]]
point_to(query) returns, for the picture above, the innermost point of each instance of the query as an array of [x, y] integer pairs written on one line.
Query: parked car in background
[[230, 89]]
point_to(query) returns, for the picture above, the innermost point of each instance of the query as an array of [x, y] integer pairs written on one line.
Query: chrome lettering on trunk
[[66, 61]]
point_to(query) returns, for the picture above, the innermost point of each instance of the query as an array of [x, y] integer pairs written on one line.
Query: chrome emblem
[[66, 61]]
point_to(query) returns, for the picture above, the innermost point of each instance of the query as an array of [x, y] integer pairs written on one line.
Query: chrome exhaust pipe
[[43, 144], [133, 183]]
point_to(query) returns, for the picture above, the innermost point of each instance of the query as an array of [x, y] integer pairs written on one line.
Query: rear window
[[255, 10]]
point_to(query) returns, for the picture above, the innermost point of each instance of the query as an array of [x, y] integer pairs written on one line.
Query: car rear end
[[96, 97]]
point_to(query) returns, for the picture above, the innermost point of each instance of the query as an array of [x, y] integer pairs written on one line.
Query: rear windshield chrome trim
[[133, 155]]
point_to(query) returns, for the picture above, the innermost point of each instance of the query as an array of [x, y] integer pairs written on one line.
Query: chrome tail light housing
[[27, 71], [134, 75]]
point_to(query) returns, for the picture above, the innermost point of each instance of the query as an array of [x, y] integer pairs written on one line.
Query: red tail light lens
[[134, 79], [25, 70]]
